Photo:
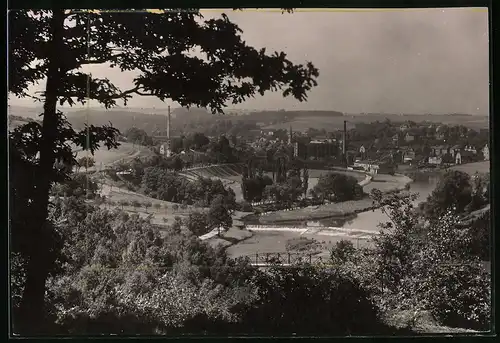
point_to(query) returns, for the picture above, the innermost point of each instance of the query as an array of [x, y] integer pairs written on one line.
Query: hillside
[[125, 152], [153, 120]]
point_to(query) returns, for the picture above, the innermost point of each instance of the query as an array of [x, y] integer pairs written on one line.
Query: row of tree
[[165, 185]]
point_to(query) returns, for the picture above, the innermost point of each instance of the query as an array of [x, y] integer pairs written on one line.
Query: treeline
[[334, 187], [161, 184]]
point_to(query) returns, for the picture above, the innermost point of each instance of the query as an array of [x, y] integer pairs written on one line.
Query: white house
[[436, 160]]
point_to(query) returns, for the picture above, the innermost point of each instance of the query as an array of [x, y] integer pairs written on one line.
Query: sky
[[395, 61]]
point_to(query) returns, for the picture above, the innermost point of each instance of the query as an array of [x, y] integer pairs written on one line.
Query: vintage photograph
[[249, 172]]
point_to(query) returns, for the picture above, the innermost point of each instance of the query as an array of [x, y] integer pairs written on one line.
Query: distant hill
[[153, 120]]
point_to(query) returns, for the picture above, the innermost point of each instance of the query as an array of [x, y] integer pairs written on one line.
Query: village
[[381, 146]]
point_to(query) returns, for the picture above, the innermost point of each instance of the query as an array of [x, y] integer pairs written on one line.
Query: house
[[464, 157], [439, 150], [486, 152], [409, 137], [435, 160], [470, 148], [404, 127], [408, 156], [454, 149], [362, 152], [369, 166]]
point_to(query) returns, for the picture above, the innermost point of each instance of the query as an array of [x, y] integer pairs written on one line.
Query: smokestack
[[168, 132], [345, 142]]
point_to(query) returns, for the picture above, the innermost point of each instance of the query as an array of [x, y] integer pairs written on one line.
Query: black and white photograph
[[249, 172]]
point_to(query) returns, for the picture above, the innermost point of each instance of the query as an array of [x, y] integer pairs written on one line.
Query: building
[[435, 160], [486, 152], [439, 150], [471, 148], [374, 167], [464, 157], [454, 149], [316, 149], [408, 156], [362, 152], [409, 137]]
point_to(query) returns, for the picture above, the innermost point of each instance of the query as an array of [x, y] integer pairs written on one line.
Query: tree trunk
[[32, 303]]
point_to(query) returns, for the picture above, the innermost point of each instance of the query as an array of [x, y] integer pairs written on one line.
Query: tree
[[305, 180], [86, 161], [42, 45], [200, 140], [218, 214], [147, 204], [198, 223], [136, 204], [337, 187], [138, 136], [429, 266], [123, 203], [177, 163], [157, 206], [453, 192]]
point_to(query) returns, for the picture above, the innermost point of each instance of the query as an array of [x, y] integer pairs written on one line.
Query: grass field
[[472, 168], [125, 152], [273, 241]]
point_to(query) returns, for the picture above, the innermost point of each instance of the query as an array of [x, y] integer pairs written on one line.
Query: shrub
[[311, 300], [343, 251], [245, 206]]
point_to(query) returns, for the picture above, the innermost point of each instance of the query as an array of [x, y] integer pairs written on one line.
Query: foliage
[[76, 185], [219, 215], [343, 251], [338, 187], [113, 277], [138, 136], [161, 184], [245, 206], [429, 266], [86, 161], [453, 193], [198, 223], [286, 298], [253, 188]]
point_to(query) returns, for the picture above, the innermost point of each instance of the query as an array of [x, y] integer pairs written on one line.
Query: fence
[[284, 259]]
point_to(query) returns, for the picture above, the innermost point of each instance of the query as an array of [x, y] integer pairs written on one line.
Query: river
[[424, 184], [369, 220]]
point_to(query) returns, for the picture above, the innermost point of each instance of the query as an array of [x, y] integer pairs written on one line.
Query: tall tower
[[290, 135], [168, 133], [345, 143]]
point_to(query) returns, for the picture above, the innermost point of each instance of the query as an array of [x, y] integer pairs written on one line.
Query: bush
[[245, 206], [311, 300], [343, 251], [459, 295]]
